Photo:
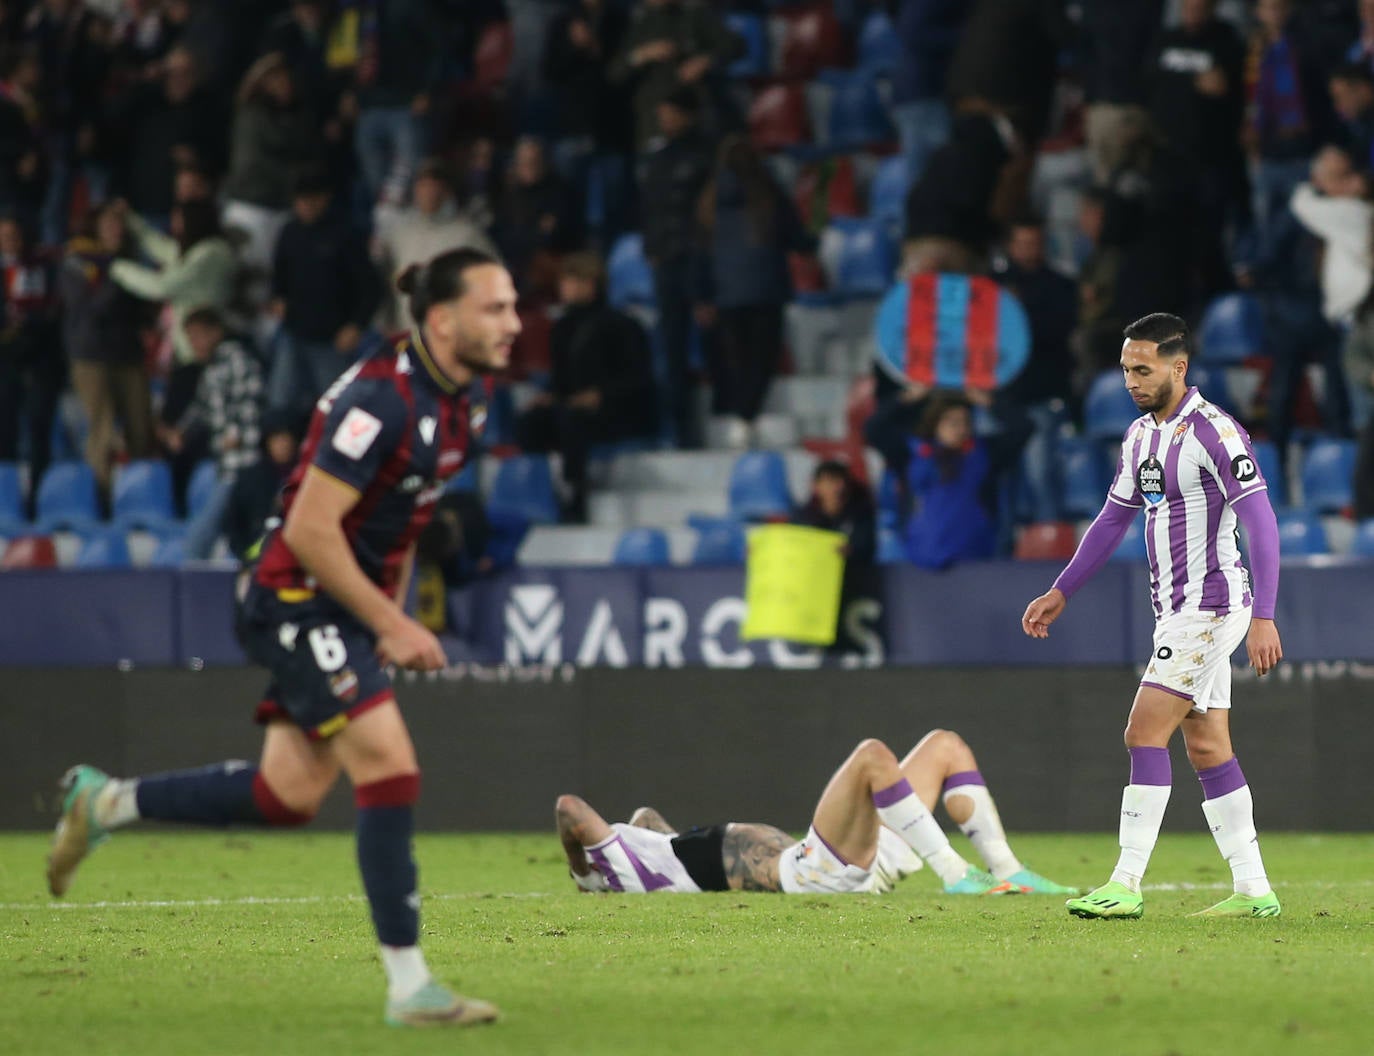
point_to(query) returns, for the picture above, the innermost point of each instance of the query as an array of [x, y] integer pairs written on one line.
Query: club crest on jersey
[[1180, 431], [1149, 478], [344, 684]]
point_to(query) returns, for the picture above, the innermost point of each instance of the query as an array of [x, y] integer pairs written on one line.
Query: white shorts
[[1192, 656], [639, 861], [812, 868]]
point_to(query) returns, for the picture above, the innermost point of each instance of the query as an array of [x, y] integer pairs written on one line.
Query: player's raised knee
[[873, 752]]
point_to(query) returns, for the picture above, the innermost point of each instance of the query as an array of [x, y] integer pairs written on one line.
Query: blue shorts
[[323, 660]]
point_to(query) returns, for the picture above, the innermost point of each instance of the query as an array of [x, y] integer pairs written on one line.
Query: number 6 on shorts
[[328, 647]]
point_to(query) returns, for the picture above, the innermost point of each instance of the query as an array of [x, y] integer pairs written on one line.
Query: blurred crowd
[[203, 204]]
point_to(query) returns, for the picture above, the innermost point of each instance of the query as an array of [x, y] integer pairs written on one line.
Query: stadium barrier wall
[[676, 617], [497, 744]]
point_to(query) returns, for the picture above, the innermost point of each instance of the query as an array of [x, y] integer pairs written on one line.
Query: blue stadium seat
[[720, 543], [201, 486], [142, 496], [104, 549], [1132, 546], [1267, 455], [642, 546], [1108, 409], [890, 548], [170, 552], [758, 486], [867, 260], [1328, 475], [1364, 539], [754, 32], [67, 499], [1083, 473], [1232, 329], [857, 116], [1301, 534], [887, 193], [629, 279], [524, 487], [880, 49], [12, 519], [469, 479]]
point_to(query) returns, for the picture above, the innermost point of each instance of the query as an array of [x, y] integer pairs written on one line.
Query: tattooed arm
[[751, 853]]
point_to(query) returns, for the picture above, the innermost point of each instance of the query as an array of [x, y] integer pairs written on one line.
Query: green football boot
[[435, 1005], [977, 882], [1239, 905], [1111, 901], [1032, 883], [78, 833]]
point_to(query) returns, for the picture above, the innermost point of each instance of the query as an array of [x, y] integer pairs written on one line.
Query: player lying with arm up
[[872, 826]]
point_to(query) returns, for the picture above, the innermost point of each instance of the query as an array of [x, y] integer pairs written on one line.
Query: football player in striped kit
[[1190, 466]]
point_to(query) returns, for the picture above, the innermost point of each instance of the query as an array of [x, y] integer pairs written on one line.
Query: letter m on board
[[534, 625]]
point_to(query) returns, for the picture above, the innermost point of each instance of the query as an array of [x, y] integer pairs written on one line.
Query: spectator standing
[[194, 267], [950, 207], [595, 117], [750, 226], [324, 291], [602, 384], [928, 31], [22, 166], [1116, 40], [535, 219], [298, 35], [672, 48], [253, 500], [31, 374], [1352, 96], [674, 176], [274, 133], [839, 503], [226, 409], [946, 476], [103, 328], [431, 225]]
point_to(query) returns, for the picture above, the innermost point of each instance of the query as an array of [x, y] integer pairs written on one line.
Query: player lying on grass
[[872, 826]]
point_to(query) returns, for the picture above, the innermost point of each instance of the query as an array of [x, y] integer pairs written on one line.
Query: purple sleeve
[[1262, 530], [1103, 536]]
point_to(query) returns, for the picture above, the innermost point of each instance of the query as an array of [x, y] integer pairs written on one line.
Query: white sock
[[904, 813], [406, 971], [984, 830], [117, 804], [1232, 820], [1142, 813]]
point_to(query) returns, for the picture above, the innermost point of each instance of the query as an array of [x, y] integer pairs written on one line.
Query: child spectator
[[839, 503], [946, 475]]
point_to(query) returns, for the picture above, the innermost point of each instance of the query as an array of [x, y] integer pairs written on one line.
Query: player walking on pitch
[[1191, 466], [322, 611]]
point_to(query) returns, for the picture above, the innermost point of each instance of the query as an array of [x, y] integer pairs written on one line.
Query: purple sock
[[963, 777], [1151, 766], [1218, 781]]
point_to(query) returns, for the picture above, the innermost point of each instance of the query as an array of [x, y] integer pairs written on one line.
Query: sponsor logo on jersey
[[1149, 478], [1243, 468], [427, 427], [1164, 652], [344, 684], [356, 433]]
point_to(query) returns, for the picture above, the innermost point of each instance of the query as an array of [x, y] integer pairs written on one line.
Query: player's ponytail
[[442, 279]]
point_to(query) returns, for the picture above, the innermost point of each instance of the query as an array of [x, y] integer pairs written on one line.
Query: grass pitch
[[260, 945]]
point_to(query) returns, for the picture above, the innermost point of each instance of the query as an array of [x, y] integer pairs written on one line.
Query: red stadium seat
[[491, 61], [859, 407], [29, 551], [1048, 541], [777, 117], [530, 354], [812, 40]]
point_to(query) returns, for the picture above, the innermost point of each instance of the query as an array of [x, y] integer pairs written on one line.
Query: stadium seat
[[1048, 541], [812, 39], [1108, 409], [524, 488], [887, 194], [1328, 475], [880, 49], [1232, 329], [890, 548], [867, 258], [104, 549], [778, 117], [142, 496], [629, 279], [201, 486], [720, 543], [758, 486], [1267, 455], [1364, 539], [170, 553], [1301, 533], [29, 551], [859, 406], [751, 29], [642, 546], [857, 116], [1084, 477], [67, 498], [12, 519], [1132, 546]]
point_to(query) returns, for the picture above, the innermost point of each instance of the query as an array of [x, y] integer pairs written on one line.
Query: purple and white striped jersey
[[1186, 472]]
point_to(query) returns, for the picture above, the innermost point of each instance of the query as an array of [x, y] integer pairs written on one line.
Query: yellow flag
[[792, 584]]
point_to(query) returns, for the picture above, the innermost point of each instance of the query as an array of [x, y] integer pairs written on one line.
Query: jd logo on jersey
[[1243, 468], [1149, 478]]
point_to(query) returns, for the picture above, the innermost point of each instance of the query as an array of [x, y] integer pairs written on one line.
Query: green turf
[[914, 971]]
